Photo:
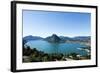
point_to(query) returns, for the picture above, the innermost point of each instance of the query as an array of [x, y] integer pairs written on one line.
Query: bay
[[58, 48]]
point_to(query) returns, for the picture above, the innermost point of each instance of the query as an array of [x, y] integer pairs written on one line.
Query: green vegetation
[[33, 55], [73, 56]]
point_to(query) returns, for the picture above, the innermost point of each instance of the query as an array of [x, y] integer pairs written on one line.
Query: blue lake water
[[64, 48]]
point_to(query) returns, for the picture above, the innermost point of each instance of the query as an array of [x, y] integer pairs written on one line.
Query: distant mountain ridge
[[82, 37], [57, 39], [30, 38]]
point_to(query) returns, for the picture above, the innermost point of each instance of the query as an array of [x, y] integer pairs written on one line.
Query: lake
[[64, 48]]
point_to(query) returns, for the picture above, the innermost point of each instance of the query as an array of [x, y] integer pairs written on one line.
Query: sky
[[46, 23]]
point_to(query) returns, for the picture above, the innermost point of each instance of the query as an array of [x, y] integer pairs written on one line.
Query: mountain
[[65, 38], [82, 38], [54, 39], [58, 39], [78, 38], [30, 37]]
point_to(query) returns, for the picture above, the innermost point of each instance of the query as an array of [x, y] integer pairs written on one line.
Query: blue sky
[[46, 23]]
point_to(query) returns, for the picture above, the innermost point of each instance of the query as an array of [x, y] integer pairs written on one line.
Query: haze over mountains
[[57, 39]]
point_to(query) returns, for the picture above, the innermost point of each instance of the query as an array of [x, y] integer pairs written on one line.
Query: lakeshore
[[33, 55]]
